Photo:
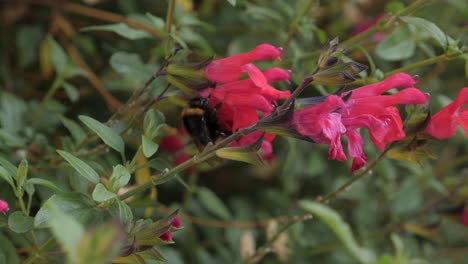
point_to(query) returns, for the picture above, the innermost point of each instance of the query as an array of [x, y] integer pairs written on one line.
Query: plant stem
[[169, 18], [205, 155], [263, 250], [295, 24], [355, 178], [425, 62]]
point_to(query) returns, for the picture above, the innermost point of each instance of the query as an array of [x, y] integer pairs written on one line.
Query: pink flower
[[166, 236], [176, 223], [444, 123], [464, 217], [4, 206], [171, 144], [364, 26], [230, 69], [365, 108], [239, 102]]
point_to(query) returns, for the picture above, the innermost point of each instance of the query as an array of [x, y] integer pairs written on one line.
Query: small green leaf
[[152, 123], [426, 26], [4, 174], [7, 251], [29, 188], [231, 153], [43, 182], [107, 134], [78, 205], [147, 256], [122, 211], [9, 167], [149, 147], [71, 91], [119, 178], [20, 223], [341, 229], [131, 66], [80, 166], [75, 130], [101, 244], [22, 173], [66, 230], [121, 29], [101, 194], [213, 204], [11, 140], [398, 46], [59, 57]]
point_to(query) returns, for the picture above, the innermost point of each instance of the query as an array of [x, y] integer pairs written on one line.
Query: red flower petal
[[4, 206], [176, 223], [355, 150], [464, 217], [398, 80], [171, 144], [444, 123], [229, 69], [166, 237]]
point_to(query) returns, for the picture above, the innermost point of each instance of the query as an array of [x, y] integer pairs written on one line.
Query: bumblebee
[[201, 122]]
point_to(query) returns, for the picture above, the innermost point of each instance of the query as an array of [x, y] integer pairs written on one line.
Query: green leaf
[[251, 153], [77, 205], [341, 229], [8, 251], [231, 153], [75, 130], [122, 211], [20, 223], [213, 204], [59, 57], [232, 2], [107, 134], [131, 66], [66, 230], [11, 140], [80, 166], [101, 194], [398, 46], [422, 25], [12, 112], [101, 244], [121, 29], [9, 167], [43, 182], [4, 174], [152, 123], [149, 147], [141, 257], [22, 173], [71, 91], [119, 178]]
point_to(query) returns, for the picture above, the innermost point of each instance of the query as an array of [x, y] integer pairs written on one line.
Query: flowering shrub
[[199, 134]]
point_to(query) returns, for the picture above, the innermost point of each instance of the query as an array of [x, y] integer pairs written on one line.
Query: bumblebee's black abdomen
[[201, 122]]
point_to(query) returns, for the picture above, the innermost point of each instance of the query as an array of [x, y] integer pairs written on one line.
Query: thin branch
[[111, 102], [100, 15]]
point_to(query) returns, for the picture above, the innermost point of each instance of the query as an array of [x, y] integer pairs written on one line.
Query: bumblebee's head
[[198, 102]]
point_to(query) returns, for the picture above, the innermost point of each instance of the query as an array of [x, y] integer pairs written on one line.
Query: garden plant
[[248, 131]]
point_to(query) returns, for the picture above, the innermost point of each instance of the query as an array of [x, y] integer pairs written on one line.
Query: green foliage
[[80, 166], [107, 134], [133, 66]]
